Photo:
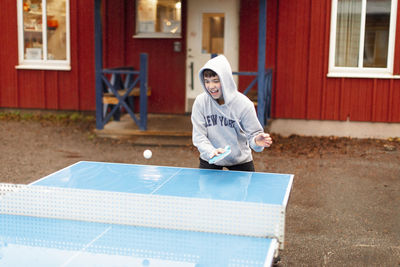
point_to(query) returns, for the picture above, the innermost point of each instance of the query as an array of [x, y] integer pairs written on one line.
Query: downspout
[[98, 63], [262, 22]]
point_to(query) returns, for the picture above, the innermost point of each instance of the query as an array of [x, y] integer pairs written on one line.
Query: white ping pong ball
[[147, 154]]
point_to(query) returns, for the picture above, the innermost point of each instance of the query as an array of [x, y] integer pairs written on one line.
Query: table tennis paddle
[[220, 156]]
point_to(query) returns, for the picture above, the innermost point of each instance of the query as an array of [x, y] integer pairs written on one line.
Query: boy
[[223, 116]]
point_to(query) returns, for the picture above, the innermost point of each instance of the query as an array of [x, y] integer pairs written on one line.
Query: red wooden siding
[[317, 58], [31, 89], [115, 33], [300, 60], [83, 57], [297, 51], [301, 88], [248, 42], [8, 55], [40, 89], [166, 68], [341, 98], [248, 39]]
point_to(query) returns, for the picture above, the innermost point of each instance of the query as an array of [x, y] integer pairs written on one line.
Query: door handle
[[191, 76]]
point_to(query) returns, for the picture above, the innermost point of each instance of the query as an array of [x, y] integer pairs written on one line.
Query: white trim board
[[354, 129]]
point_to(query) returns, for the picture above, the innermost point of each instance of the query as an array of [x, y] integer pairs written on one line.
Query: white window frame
[[43, 64], [363, 72]]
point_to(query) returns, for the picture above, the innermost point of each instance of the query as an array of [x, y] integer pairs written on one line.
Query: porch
[[162, 129], [261, 82]]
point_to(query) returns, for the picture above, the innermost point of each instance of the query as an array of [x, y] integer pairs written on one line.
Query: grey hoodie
[[234, 123]]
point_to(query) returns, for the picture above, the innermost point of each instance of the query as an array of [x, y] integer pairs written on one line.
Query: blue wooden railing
[[263, 95], [126, 79]]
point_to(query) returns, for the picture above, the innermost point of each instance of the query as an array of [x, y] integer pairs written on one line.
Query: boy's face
[[213, 86]]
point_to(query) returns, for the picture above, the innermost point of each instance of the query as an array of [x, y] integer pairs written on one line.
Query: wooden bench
[[111, 99]]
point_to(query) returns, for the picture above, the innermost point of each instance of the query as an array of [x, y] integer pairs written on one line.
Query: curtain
[[348, 33]]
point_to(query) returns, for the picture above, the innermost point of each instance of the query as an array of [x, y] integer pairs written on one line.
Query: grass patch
[[74, 117]]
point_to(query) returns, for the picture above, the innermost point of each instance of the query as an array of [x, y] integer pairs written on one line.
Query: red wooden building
[[319, 72]]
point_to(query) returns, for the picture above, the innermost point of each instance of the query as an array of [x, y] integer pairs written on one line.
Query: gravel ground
[[344, 209]]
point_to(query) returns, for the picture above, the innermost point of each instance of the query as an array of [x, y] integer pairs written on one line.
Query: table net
[[155, 211]]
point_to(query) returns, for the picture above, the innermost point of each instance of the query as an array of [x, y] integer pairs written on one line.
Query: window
[[213, 33], [362, 38], [158, 18], [43, 34]]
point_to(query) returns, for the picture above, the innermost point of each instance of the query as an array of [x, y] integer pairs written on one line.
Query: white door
[[212, 28]]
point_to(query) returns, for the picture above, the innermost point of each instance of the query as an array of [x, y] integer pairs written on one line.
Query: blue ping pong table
[[167, 216]]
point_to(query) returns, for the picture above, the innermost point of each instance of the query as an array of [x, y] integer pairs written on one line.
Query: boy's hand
[[263, 139], [217, 152]]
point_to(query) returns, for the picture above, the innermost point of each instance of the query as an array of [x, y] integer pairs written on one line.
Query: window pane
[[162, 16], [213, 33], [33, 42], [348, 33], [56, 30], [377, 33]]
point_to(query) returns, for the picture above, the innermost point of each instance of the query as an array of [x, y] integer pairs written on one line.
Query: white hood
[[221, 66]]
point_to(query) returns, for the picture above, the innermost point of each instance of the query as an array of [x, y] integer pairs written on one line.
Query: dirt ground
[[344, 209]]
